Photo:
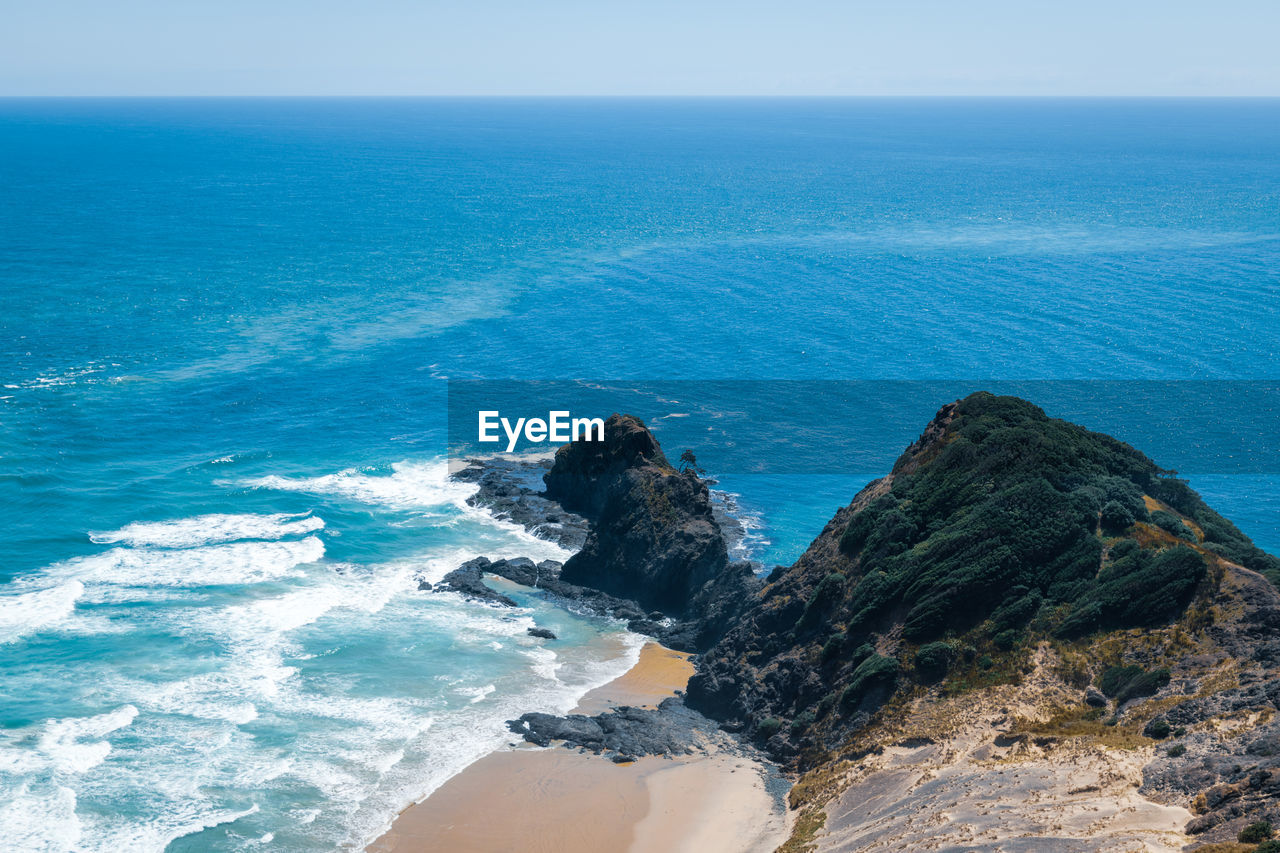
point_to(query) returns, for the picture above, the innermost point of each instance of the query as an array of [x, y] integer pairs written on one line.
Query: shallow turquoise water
[[225, 328]]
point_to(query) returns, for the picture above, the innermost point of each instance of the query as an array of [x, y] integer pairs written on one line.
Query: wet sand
[[657, 675], [556, 799]]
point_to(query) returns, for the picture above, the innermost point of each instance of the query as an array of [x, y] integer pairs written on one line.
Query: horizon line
[[633, 96]]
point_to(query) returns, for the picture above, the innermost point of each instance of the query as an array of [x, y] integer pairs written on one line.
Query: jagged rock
[[583, 478], [543, 633], [654, 536], [670, 729], [656, 555], [511, 489], [468, 580]]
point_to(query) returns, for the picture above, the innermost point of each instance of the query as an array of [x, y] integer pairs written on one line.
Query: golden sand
[[656, 676], [558, 800]]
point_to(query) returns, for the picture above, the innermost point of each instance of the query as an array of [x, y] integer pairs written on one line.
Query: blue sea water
[[226, 326]]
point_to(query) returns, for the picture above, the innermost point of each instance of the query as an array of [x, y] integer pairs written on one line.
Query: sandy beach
[[558, 799]]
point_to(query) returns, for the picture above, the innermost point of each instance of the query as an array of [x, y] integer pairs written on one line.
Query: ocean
[[227, 326]]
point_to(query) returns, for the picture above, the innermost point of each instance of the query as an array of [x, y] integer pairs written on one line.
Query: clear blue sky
[[549, 47]]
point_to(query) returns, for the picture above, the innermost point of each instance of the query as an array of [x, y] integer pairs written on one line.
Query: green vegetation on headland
[[1018, 515], [1016, 585], [999, 530]]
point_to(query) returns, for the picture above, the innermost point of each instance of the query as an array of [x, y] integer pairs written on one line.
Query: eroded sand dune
[[974, 788]]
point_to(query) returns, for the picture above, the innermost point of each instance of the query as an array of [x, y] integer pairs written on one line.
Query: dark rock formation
[[546, 577], [583, 477], [512, 490], [468, 580], [1228, 783], [653, 542], [671, 729], [654, 537], [543, 633]]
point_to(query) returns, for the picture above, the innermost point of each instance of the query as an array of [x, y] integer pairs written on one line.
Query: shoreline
[[558, 799]]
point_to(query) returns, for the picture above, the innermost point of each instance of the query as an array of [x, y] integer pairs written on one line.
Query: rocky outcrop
[[987, 541], [654, 549], [545, 576], [511, 489], [584, 475], [653, 537], [671, 730], [468, 579], [653, 544]]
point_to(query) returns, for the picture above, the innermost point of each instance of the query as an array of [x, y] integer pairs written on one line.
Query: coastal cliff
[[1026, 635], [1017, 590], [650, 542], [653, 537]]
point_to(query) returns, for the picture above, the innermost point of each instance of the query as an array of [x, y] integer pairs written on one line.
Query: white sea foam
[[29, 612], [544, 662], [259, 623], [255, 635], [155, 836], [210, 565], [476, 694], [40, 822], [461, 738], [209, 530], [369, 755], [64, 740], [212, 696], [424, 489], [409, 486]]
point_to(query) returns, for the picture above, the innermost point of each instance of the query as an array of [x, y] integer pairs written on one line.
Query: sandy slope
[[972, 789]]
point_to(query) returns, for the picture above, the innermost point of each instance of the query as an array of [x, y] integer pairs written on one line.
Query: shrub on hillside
[[1022, 605], [1157, 729], [1124, 683], [1255, 832], [1142, 588], [1220, 535], [1124, 492], [1116, 517], [876, 671], [1170, 523], [998, 522], [1115, 677], [832, 647], [828, 591], [768, 727], [861, 653], [934, 659]]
